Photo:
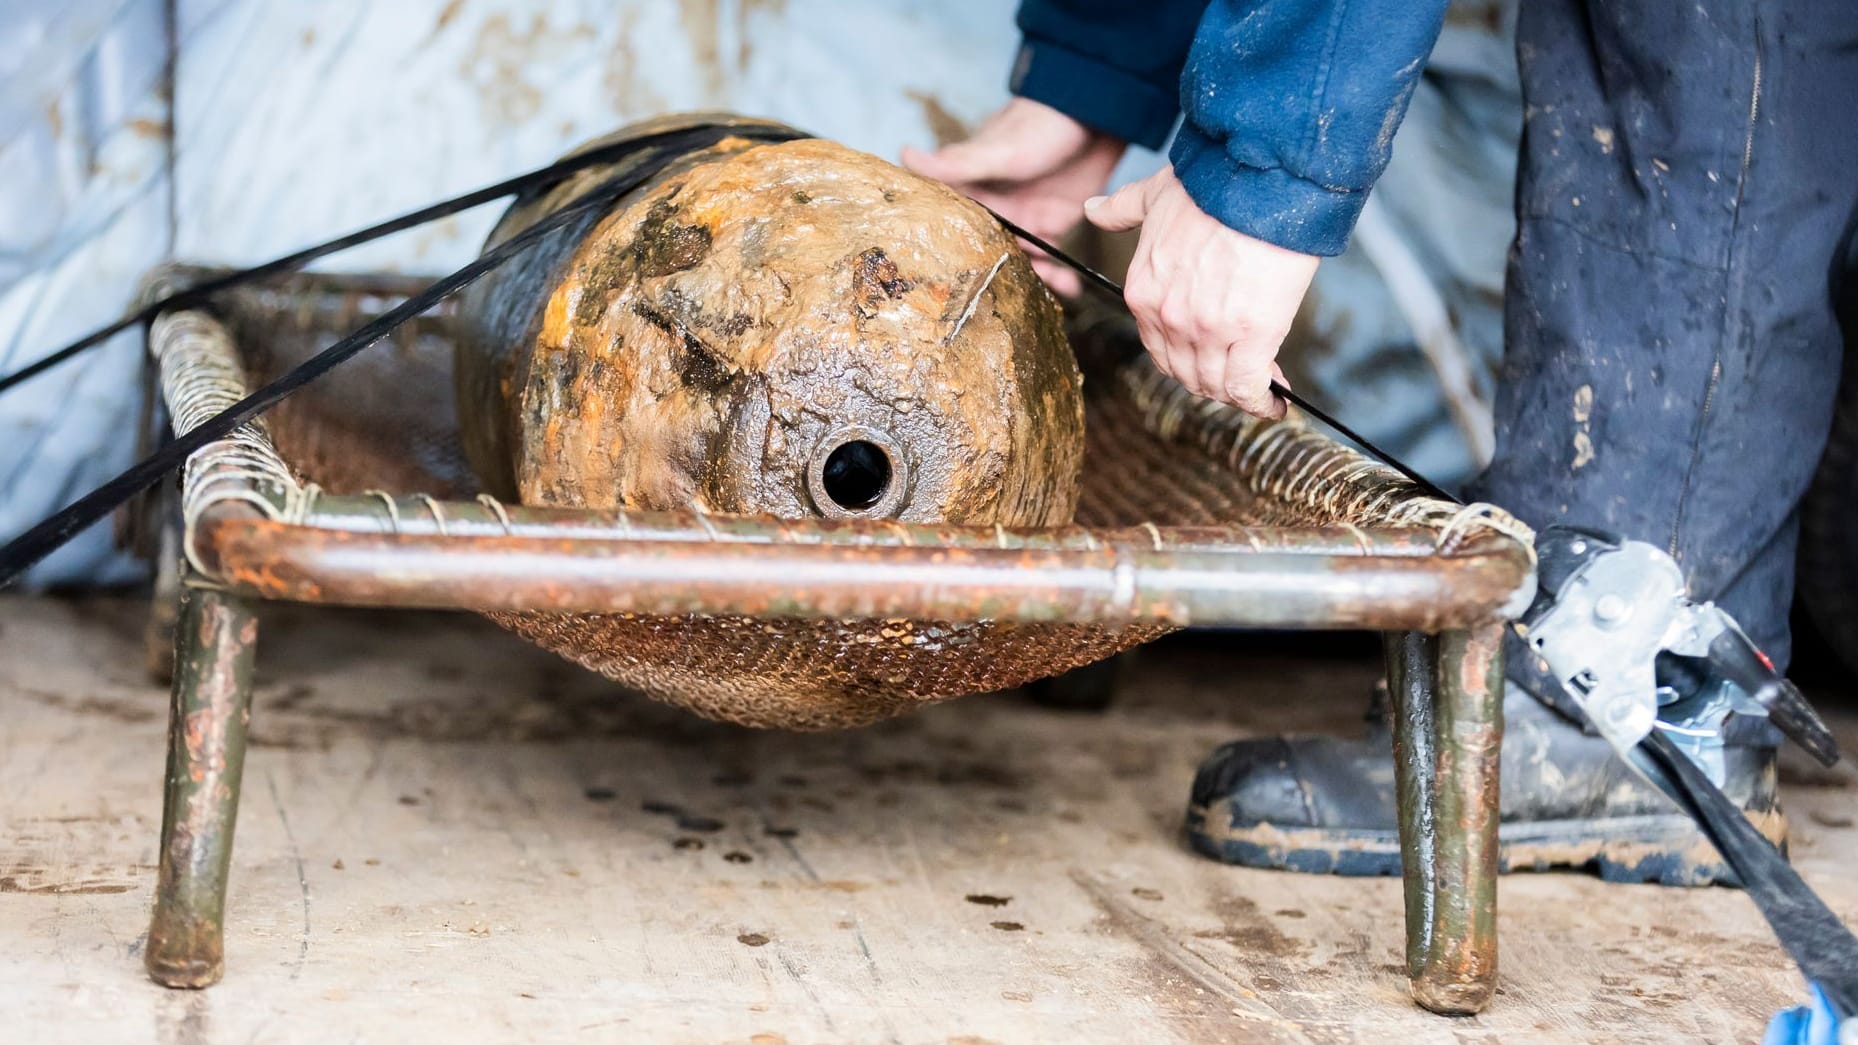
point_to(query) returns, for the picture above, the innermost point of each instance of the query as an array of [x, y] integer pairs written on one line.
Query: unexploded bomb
[[794, 330], [790, 329]]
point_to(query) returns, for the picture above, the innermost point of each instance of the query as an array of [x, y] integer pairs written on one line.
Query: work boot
[[1326, 806]]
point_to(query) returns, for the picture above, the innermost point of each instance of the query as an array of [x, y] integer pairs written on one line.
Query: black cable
[[27, 549], [1115, 289], [1808, 930], [200, 292]]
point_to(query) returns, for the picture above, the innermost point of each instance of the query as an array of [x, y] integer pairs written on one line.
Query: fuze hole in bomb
[[856, 474]]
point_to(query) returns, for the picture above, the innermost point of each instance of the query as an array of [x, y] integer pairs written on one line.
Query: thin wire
[[1115, 290]]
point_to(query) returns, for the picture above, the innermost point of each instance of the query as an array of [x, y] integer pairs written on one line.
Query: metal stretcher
[[353, 493]]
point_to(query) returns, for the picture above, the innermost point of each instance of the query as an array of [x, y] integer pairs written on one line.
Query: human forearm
[[1291, 108], [1113, 65]]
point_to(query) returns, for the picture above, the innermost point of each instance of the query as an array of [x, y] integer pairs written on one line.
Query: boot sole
[[1667, 849]]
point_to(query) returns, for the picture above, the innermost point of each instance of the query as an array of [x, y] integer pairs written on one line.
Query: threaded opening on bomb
[[857, 475], [858, 472]]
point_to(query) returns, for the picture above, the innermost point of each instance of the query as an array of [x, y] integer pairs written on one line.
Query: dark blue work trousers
[[1688, 185]]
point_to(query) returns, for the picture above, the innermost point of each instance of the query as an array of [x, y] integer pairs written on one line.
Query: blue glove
[[1810, 1024]]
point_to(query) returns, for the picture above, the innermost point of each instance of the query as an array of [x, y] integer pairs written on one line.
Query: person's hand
[[1212, 304], [1033, 165]]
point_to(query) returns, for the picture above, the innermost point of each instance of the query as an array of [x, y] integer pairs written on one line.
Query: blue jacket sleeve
[[1114, 65], [1291, 108]]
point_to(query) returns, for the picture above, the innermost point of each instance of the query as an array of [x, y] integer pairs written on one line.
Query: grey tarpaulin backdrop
[[291, 122]]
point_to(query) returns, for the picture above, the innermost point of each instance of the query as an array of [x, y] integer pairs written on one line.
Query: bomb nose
[[858, 472]]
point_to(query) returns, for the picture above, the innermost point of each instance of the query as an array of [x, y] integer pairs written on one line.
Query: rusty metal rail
[[1362, 580]]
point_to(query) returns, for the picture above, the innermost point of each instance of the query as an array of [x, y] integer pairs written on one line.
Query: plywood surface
[[448, 836]]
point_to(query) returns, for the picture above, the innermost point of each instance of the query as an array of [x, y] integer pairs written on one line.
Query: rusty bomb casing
[[789, 330], [792, 330]]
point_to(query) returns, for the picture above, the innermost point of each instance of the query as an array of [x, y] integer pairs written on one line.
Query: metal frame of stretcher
[[1440, 580]]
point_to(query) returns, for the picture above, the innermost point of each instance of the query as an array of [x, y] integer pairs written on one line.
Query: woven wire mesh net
[[1154, 455]]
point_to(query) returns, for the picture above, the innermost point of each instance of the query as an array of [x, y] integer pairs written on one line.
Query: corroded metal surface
[[164, 603], [793, 330], [1338, 583], [752, 308], [207, 722], [739, 622], [383, 513], [1448, 733]]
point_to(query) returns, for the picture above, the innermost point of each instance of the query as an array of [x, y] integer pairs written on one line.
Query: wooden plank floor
[[449, 836]]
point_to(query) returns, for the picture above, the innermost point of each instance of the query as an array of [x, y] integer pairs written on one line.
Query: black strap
[[1807, 929], [29, 548], [654, 151], [199, 293]]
